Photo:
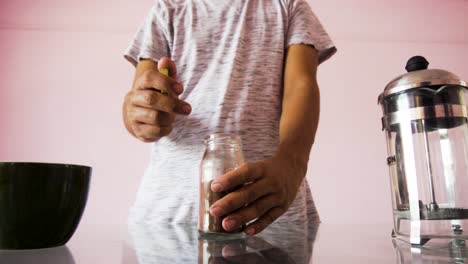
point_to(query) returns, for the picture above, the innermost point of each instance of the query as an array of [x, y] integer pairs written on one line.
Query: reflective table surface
[[280, 243]]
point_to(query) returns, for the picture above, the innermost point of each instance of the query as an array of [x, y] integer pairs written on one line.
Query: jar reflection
[[247, 250], [281, 242]]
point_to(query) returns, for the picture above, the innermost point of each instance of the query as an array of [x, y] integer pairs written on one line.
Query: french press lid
[[419, 76]]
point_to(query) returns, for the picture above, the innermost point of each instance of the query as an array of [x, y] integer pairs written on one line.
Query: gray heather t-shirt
[[229, 56]]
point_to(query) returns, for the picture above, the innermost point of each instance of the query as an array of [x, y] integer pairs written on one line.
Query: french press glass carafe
[[425, 117]]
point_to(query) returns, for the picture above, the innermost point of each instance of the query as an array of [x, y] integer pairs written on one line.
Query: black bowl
[[41, 204]]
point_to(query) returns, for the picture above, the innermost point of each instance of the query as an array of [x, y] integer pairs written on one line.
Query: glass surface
[[222, 154]]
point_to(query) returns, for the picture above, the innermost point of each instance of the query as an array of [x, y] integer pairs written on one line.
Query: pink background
[[63, 80]]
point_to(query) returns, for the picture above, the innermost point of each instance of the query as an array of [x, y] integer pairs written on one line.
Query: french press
[[425, 114]]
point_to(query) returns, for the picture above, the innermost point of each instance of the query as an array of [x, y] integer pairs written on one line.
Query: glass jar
[[222, 154]]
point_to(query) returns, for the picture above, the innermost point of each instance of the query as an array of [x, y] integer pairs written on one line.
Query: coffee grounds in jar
[[209, 197]]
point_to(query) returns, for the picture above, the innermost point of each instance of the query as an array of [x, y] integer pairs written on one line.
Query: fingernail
[[187, 109], [250, 231], [178, 88], [215, 187], [230, 224], [215, 211]]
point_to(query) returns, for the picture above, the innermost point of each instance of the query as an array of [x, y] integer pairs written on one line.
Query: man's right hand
[[148, 114]]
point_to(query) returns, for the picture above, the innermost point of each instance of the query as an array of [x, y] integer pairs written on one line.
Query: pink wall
[[63, 80]]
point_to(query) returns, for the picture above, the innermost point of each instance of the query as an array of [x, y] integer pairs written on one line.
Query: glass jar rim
[[223, 138]]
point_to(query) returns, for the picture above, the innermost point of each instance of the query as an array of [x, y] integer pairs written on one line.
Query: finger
[[255, 210], [166, 63], [145, 98], [165, 119], [246, 173], [264, 221], [240, 198], [156, 101], [144, 115], [158, 81], [152, 117], [248, 257], [233, 249], [149, 133], [182, 107]]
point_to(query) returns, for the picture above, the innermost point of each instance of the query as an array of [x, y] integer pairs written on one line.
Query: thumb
[[166, 63]]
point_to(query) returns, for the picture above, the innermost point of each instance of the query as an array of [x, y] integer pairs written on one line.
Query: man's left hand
[[268, 189]]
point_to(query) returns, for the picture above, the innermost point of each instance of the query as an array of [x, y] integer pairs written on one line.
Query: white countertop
[[283, 244]]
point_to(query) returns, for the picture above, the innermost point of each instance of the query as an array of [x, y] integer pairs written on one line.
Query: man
[[237, 67]]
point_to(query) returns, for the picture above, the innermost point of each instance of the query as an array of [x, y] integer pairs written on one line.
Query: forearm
[[301, 105], [299, 121]]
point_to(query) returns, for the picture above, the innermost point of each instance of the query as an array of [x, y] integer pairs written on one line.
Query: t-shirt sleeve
[[151, 39], [305, 28]]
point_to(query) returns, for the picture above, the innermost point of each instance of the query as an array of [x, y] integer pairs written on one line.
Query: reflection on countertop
[[436, 251], [60, 255], [287, 243], [282, 242]]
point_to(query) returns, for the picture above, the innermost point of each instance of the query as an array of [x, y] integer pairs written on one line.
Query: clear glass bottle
[[222, 154]]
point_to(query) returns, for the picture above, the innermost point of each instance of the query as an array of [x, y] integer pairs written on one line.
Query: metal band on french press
[[427, 112]]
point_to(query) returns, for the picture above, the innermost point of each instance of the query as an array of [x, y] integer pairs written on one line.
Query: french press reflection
[[425, 115]]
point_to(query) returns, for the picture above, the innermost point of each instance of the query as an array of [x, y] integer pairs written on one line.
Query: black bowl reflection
[[41, 204], [60, 255]]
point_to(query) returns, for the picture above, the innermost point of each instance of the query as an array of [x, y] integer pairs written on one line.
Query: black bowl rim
[[63, 165]]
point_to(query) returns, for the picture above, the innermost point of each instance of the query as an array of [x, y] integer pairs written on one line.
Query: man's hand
[[150, 107], [269, 187]]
